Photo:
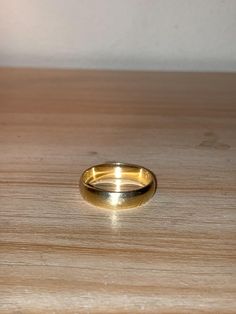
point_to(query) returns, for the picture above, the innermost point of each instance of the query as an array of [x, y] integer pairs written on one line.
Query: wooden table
[[61, 255]]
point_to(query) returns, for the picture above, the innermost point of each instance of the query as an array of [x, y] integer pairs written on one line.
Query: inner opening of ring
[[117, 177]]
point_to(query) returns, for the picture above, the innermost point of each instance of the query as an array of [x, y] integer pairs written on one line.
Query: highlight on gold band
[[117, 185]]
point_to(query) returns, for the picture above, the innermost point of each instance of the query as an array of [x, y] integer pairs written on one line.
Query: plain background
[[186, 35]]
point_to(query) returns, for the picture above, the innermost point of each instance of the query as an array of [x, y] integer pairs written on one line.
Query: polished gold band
[[117, 185]]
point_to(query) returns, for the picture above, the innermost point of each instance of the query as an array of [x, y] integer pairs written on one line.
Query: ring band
[[117, 185]]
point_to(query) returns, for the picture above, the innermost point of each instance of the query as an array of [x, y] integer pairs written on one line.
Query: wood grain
[[61, 255]]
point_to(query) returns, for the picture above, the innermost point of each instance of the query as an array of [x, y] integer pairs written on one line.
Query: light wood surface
[[59, 254]]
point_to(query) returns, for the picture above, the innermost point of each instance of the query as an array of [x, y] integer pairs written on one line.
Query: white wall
[[119, 34]]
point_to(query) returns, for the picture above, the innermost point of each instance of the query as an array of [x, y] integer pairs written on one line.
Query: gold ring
[[117, 185]]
